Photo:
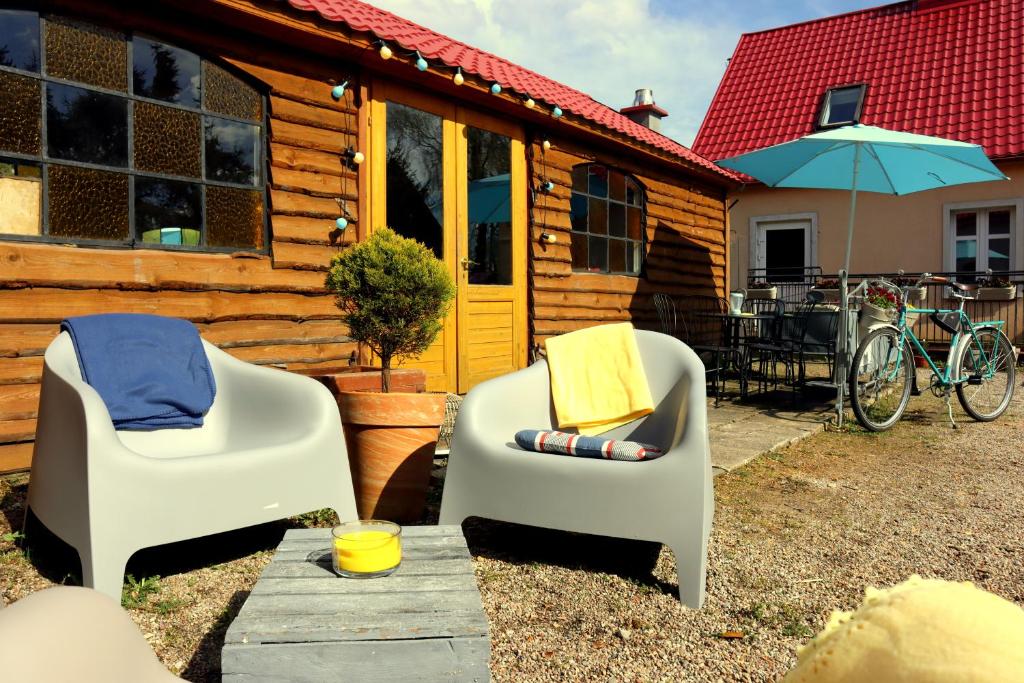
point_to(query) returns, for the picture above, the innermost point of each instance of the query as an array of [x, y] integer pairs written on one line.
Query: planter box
[[366, 378], [997, 293], [916, 295], [762, 292]]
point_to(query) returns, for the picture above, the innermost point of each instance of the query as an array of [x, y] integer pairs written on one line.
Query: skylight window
[[841, 106]]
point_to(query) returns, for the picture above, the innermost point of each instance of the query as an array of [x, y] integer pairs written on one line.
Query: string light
[[546, 145], [458, 78], [529, 103], [495, 89], [385, 51], [421, 63], [338, 91], [341, 222], [557, 112], [547, 186]]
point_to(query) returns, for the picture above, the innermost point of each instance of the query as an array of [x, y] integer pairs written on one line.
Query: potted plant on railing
[[760, 289], [996, 288], [829, 288], [393, 295], [914, 294], [878, 308]]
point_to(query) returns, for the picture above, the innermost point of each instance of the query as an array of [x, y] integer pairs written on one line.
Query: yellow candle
[[367, 552]]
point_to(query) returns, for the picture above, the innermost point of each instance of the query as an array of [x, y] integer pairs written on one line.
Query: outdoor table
[[732, 321], [301, 622]]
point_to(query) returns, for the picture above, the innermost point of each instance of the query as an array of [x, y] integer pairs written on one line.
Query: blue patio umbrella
[[864, 159]]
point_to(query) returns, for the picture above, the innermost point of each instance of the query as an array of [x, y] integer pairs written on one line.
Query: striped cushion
[[585, 446]]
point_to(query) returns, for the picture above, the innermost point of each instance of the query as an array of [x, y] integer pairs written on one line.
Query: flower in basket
[[881, 297], [827, 284]]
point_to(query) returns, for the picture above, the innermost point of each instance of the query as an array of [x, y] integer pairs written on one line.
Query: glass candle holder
[[366, 549]]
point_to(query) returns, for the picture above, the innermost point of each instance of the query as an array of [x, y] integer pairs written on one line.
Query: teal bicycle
[[980, 364]]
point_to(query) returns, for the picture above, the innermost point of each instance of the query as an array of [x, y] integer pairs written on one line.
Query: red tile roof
[[361, 16], [950, 68]]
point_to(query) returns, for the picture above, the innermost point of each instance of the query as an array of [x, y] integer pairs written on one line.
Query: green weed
[[135, 594]]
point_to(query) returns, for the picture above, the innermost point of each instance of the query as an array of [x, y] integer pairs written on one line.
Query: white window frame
[[983, 207], [759, 224]]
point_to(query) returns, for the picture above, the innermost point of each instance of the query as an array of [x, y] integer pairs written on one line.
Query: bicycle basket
[[949, 321]]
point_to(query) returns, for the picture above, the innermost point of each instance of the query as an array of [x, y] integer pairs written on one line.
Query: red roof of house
[[361, 16], [949, 68]]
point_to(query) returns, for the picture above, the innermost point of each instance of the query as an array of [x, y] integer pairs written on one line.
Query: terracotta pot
[[391, 440], [366, 378]]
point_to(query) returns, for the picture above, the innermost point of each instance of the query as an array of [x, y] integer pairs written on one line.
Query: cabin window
[[608, 216], [109, 138], [841, 106]]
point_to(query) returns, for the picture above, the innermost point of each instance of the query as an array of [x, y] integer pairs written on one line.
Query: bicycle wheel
[[990, 377], [880, 379]]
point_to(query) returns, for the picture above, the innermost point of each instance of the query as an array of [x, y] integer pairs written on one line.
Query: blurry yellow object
[[597, 378], [920, 631]]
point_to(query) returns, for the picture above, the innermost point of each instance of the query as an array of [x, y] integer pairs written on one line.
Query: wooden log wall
[[268, 309], [685, 250]]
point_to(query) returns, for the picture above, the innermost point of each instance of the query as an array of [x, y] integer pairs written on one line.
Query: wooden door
[[438, 175], [491, 248]]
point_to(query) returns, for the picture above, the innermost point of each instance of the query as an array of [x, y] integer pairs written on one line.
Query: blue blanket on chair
[[151, 371]]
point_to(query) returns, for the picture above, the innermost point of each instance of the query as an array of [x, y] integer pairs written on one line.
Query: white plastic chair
[[270, 447], [668, 500]]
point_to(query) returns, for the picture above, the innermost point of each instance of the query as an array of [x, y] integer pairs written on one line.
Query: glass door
[[456, 181], [492, 248]]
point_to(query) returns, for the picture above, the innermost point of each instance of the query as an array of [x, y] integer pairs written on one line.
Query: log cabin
[[206, 159]]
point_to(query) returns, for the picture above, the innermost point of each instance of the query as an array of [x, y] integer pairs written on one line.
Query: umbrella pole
[[843, 341]]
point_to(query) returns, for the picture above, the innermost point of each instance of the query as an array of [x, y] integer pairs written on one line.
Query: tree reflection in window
[[489, 199], [415, 184], [19, 39], [165, 73]]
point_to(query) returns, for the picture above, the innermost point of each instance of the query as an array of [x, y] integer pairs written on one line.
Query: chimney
[[644, 111]]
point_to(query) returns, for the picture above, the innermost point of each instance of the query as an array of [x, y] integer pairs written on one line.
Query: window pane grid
[[249, 149], [983, 239], [606, 246]]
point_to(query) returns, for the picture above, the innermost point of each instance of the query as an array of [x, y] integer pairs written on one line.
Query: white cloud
[[606, 48]]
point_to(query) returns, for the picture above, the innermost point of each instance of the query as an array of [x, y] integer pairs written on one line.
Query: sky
[[609, 48]]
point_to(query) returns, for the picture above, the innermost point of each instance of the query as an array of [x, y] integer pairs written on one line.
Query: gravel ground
[[796, 534]]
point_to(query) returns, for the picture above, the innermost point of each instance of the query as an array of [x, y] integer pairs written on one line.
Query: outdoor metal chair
[[672, 322], [709, 335], [804, 348], [668, 500], [270, 447], [762, 343]]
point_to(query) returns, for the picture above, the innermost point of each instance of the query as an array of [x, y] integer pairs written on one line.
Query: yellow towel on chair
[[597, 379]]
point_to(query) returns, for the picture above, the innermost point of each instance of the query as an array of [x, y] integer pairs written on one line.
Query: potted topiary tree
[[393, 295]]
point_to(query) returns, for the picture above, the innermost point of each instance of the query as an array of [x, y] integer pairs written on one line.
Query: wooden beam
[[50, 265]]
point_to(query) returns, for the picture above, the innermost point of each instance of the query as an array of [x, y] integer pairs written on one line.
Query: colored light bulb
[[495, 89], [385, 52], [342, 223], [358, 158], [529, 103], [556, 112], [421, 63], [338, 91], [546, 145], [458, 78]]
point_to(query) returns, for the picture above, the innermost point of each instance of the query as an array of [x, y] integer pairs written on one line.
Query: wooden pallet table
[[424, 622]]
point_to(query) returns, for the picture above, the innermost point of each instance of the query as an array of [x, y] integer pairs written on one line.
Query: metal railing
[[792, 285]]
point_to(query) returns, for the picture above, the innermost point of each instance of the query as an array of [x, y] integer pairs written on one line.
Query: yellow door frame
[[454, 120]]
